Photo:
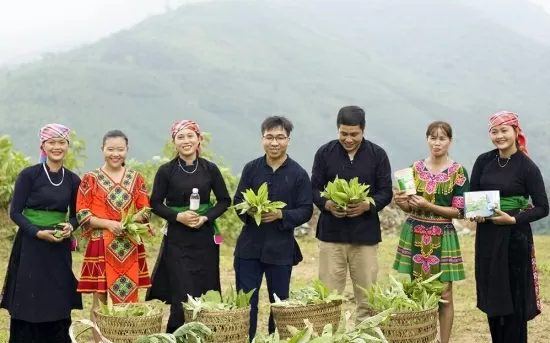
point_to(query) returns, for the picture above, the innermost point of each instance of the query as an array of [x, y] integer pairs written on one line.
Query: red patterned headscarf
[[187, 124], [50, 131], [512, 119]]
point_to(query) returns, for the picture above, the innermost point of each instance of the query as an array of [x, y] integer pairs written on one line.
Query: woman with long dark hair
[[188, 262], [505, 268], [40, 287]]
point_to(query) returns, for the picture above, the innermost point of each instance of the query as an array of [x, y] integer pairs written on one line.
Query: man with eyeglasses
[[349, 239], [270, 248]]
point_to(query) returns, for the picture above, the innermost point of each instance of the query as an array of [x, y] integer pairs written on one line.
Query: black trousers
[[249, 275], [508, 329]]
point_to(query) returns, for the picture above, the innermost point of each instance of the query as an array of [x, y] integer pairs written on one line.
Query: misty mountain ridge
[[230, 64]]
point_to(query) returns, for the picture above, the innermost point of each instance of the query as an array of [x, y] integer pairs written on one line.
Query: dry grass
[[470, 324]]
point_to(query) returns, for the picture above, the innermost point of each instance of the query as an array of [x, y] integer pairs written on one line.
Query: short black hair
[[277, 121], [351, 116]]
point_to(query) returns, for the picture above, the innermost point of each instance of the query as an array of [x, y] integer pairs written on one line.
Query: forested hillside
[[229, 64]]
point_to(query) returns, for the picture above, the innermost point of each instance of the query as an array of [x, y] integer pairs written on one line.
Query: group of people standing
[[50, 202]]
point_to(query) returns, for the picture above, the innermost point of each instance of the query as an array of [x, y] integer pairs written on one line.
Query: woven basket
[[411, 327], [128, 329], [318, 314], [227, 326]]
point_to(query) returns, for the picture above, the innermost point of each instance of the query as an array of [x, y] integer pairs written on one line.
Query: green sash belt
[[44, 218], [203, 208], [516, 202]]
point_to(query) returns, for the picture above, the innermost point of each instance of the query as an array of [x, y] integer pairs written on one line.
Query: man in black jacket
[[349, 239], [270, 248]]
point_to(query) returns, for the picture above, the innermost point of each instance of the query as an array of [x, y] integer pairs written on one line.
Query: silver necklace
[[48, 175], [194, 170], [502, 166]]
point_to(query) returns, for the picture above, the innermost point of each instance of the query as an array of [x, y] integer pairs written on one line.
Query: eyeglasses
[[279, 138]]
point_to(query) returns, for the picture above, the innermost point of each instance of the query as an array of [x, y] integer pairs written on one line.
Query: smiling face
[[350, 137], [186, 142], [504, 137], [439, 142], [115, 150], [55, 148], [275, 142]]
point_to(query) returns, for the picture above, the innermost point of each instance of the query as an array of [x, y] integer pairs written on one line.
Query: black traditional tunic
[[506, 278], [372, 166], [270, 248], [188, 261], [40, 286]]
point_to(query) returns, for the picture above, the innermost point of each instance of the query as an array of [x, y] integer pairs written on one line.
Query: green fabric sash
[[203, 208], [44, 218], [516, 202]]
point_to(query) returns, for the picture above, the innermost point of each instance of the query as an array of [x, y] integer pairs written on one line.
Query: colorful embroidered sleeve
[[84, 200], [141, 196], [461, 185]]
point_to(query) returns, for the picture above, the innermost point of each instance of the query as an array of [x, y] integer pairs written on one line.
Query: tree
[[75, 157], [12, 163]]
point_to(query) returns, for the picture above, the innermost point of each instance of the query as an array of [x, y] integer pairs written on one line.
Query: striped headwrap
[[50, 131], [512, 119], [187, 124]]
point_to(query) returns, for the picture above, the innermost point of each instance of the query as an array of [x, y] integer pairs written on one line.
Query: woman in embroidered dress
[[506, 274], [189, 258], [40, 287], [113, 263], [429, 243]]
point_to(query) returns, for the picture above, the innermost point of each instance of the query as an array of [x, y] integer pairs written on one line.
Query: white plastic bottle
[[194, 200]]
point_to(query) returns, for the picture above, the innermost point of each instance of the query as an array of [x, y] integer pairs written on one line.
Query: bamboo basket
[[227, 326], [128, 329], [318, 314], [411, 327]]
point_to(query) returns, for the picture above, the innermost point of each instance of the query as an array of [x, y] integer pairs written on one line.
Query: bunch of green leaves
[[258, 203], [314, 293], [192, 332], [343, 193], [365, 332], [134, 229], [149, 308], [406, 296], [214, 301]]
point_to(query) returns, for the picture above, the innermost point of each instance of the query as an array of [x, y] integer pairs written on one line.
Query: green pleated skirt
[[429, 245]]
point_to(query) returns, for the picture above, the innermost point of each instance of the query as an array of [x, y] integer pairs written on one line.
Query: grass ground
[[470, 324]]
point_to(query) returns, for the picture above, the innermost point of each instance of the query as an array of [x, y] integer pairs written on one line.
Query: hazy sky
[[28, 27]]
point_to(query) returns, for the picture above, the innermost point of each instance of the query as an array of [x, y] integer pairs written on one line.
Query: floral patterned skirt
[[116, 265], [427, 246]]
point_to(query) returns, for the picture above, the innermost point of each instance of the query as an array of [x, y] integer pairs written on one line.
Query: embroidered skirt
[[116, 265], [429, 245]]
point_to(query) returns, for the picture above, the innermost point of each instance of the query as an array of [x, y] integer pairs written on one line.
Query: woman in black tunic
[[40, 287], [505, 269], [188, 261]]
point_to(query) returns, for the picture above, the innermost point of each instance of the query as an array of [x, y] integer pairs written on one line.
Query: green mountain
[[229, 64]]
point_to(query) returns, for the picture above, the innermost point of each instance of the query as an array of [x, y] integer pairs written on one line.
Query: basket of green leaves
[[414, 304], [228, 316], [124, 323], [314, 302], [367, 331]]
